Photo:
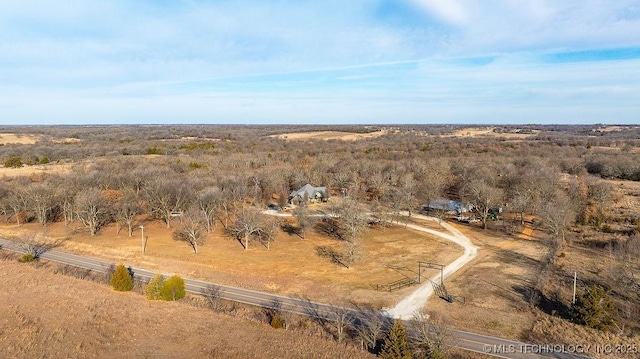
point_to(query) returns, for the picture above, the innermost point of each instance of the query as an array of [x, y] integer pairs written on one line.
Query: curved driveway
[[408, 306]]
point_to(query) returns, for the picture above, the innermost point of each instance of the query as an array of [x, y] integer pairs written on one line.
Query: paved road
[[496, 347]]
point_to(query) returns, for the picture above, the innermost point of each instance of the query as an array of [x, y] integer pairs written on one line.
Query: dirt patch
[[329, 135], [47, 315], [66, 140]]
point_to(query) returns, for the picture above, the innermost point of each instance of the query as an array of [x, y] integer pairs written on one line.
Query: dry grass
[[615, 128], [45, 315], [488, 132], [24, 139], [492, 285], [627, 195], [329, 135], [550, 330], [36, 170], [291, 267], [66, 140], [614, 150], [8, 138]]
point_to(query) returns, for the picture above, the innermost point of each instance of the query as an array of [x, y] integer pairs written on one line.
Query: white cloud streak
[[270, 61], [450, 11]]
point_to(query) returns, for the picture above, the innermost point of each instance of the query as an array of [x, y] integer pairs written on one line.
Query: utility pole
[[143, 244], [575, 279]]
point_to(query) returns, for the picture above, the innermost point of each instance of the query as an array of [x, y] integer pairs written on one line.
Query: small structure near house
[[309, 193], [448, 206]]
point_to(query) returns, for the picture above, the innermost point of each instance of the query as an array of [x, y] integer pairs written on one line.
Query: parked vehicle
[[465, 219]]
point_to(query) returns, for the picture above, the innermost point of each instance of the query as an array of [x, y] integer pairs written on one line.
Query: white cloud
[[451, 11], [284, 58]]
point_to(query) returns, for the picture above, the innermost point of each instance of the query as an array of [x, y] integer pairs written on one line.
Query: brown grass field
[[47, 315], [491, 285], [291, 267], [8, 138], [36, 170], [329, 135], [25, 139], [488, 132]]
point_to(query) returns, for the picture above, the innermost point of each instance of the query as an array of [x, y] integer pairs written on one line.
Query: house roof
[[446, 205], [309, 190]]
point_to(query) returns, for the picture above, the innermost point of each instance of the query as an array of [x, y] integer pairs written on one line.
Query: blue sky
[[319, 62]]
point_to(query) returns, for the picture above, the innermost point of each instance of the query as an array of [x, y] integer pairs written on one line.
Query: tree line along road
[[492, 346]]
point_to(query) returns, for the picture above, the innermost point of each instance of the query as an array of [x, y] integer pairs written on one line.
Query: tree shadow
[[330, 228], [551, 304], [290, 230], [518, 259], [333, 255], [37, 247], [596, 243]]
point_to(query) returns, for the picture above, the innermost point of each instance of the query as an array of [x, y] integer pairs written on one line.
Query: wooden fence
[[399, 284]]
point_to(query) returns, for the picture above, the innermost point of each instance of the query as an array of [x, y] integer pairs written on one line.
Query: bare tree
[[128, 208], [521, 203], [433, 179], [378, 186], [543, 183], [36, 244], [341, 320], [190, 229], [207, 204], [271, 225], [4, 203], [305, 221], [277, 316], [19, 202], [600, 195], [41, 200], [252, 224], [483, 196], [230, 197], [354, 220], [381, 212], [370, 327], [66, 192], [428, 338], [165, 196], [91, 208], [394, 199], [556, 216], [408, 189], [213, 295], [342, 179]]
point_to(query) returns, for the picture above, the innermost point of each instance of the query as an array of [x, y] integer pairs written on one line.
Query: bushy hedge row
[[158, 288], [170, 290]]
